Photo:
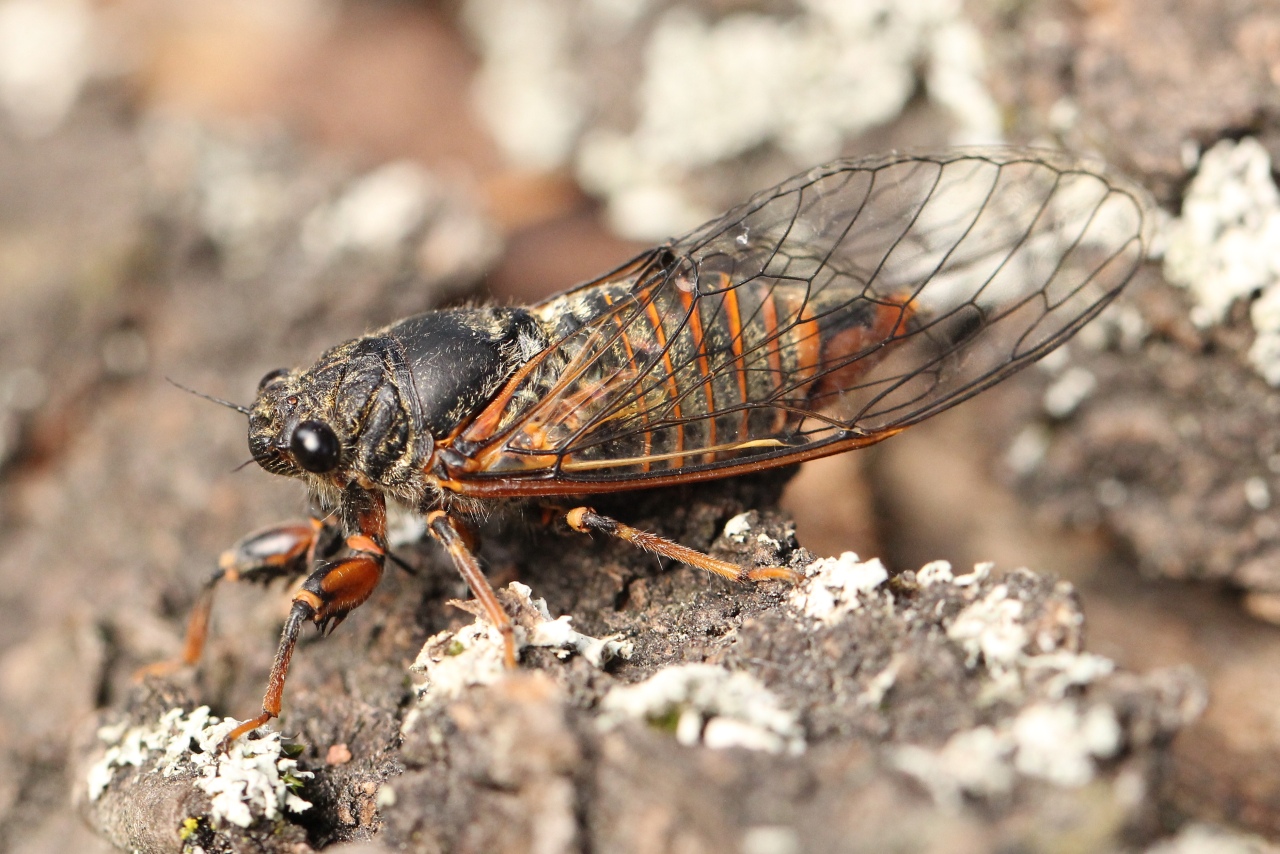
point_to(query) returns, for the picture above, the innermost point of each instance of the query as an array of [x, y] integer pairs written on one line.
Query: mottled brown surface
[[1141, 80], [524, 760], [116, 490], [1157, 458]]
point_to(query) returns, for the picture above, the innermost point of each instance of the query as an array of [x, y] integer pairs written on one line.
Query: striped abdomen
[[680, 373]]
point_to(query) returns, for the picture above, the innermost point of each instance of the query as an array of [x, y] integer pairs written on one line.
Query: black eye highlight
[[315, 446], [271, 377]]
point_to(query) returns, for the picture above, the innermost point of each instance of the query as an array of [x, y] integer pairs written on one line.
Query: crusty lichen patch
[[1002, 652], [1030, 661], [253, 779], [835, 586], [707, 84], [1059, 743], [708, 705], [1226, 245], [473, 655]]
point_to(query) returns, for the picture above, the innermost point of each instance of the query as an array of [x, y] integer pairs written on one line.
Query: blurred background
[[210, 189]]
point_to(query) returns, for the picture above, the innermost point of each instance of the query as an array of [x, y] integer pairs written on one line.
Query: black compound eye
[[315, 446], [271, 377]]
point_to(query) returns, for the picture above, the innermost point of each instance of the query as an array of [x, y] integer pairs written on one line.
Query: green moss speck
[[667, 721], [189, 826], [295, 784]]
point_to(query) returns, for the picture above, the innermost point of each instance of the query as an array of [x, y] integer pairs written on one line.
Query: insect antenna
[[243, 410]]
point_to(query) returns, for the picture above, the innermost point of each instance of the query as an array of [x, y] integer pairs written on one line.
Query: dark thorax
[[388, 399]]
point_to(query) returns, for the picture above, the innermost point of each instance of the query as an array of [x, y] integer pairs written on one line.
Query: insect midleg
[[282, 551], [330, 593], [585, 520], [448, 535]]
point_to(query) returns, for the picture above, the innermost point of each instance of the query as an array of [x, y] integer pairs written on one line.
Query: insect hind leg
[[585, 520]]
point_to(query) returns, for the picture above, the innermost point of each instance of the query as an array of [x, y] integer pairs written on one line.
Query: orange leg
[[586, 520], [286, 550], [454, 540], [330, 593]]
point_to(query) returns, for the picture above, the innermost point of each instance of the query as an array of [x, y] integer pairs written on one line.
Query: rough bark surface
[[136, 244]]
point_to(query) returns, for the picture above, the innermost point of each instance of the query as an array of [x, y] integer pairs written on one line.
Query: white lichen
[[1059, 742], [972, 762], [473, 655], [879, 685], [1226, 245], [45, 60], [770, 839], [737, 528], [242, 196], [981, 571], [836, 587], [711, 90], [710, 87], [253, 779], [1057, 737], [1257, 493], [1208, 839], [1064, 670], [375, 214], [710, 706], [994, 634], [558, 634], [1027, 450], [991, 630], [454, 661], [934, 572], [766, 540], [1068, 391], [528, 90]]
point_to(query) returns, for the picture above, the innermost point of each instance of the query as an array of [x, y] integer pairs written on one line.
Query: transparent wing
[[828, 312]]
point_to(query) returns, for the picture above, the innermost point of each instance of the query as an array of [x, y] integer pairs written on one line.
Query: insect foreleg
[[448, 535], [331, 592], [586, 520], [282, 551]]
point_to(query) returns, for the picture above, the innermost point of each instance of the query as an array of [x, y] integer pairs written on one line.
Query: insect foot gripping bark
[[825, 314]]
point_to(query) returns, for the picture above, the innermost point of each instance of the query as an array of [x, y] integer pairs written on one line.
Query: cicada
[[825, 314]]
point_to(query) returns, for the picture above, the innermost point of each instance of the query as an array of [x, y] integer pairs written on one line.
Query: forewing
[[837, 308]]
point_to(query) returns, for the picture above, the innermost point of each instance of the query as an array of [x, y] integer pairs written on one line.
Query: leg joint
[[584, 520]]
